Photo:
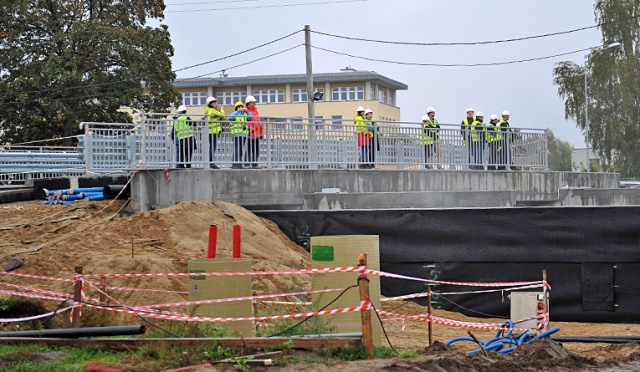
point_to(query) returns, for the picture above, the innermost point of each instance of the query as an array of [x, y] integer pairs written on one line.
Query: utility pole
[[307, 50], [313, 153]]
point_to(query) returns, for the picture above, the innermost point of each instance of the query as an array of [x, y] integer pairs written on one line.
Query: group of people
[[477, 137], [246, 129]]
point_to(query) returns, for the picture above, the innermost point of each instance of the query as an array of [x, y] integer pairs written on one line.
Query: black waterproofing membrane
[[591, 254]]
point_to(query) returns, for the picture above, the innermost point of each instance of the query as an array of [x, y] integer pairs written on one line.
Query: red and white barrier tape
[[347, 269], [286, 303], [466, 284], [220, 300], [365, 305], [35, 276], [33, 289], [109, 287], [33, 295], [425, 294], [459, 323], [17, 320]]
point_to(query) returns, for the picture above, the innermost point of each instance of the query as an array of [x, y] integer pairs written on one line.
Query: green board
[[197, 277], [322, 253]]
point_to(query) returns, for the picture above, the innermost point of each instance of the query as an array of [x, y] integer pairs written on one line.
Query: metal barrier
[[292, 143]]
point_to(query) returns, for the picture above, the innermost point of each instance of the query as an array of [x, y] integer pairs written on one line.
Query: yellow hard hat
[[239, 103]]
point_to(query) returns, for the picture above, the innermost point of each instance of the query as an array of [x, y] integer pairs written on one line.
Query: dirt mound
[[55, 239]]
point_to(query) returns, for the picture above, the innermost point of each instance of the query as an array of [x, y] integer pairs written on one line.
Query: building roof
[[330, 77]]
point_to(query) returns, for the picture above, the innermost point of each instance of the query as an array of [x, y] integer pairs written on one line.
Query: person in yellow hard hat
[[363, 138], [240, 132], [214, 114]]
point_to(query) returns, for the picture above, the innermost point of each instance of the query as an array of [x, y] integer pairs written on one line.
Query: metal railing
[[292, 143]]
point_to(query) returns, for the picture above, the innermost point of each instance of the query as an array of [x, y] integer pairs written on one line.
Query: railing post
[[88, 149], [400, 153], [365, 315]]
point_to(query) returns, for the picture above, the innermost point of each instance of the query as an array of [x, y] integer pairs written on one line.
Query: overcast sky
[[525, 89]]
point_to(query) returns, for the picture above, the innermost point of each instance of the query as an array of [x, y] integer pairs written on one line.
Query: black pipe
[[111, 191], [595, 339], [79, 332]]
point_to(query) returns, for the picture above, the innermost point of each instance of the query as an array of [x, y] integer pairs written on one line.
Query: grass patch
[[359, 353], [52, 359], [283, 327]]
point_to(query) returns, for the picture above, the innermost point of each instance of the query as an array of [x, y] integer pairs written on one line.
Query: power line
[[474, 42], [244, 64], [239, 53], [268, 6], [452, 64], [162, 73]]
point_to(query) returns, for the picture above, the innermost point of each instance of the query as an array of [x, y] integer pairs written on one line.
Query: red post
[[237, 240], [213, 241]]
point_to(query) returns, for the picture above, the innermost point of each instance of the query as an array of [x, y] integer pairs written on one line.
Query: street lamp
[[586, 104]]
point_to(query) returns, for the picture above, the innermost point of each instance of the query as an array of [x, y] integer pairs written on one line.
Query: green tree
[[613, 86], [67, 61], [559, 153]]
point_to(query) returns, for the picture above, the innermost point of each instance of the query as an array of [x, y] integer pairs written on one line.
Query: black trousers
[[253, 151], [238, 150], [186, 146]]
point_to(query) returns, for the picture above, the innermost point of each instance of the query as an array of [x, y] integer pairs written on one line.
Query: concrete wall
[[594, 197], [297, 189]]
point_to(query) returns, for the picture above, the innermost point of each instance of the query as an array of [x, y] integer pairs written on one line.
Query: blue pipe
[[500, 344]]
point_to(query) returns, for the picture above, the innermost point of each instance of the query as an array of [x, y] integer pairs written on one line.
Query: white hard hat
[[368, 111], [493, 117], [211, 99], [425, 118], [470, 109], [182, 108], [505, 112], [360, 108], [430, 109], [250, 99], [480, 113]]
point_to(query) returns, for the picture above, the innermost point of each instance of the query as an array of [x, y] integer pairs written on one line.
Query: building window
[[390, 99], [319, 122], [381, 96], [269, 95], [373, 92], [348, 94], [194, 98], [300, 95], [336, 122], [230, 98], [297, 123], [279, 124]]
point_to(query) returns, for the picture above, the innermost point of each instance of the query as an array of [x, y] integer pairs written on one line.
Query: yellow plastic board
[[339, 251], [216, 287]]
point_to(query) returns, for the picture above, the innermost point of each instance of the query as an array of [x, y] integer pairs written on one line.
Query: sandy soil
[[54, 239]]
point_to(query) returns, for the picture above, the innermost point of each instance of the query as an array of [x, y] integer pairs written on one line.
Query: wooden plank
[[133, 343]]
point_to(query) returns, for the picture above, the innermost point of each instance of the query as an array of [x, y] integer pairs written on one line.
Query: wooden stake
[[478, 342], [545, 296], [132, 248], [77, 292], [103, 288], [367, 330], [429, 312]]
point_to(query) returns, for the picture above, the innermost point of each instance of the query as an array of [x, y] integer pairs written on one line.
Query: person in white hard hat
[[465, 131], [214, 115], [363, 138], [476, 146], [183, 132], [503, 141], [429, 139], [491, 142], [255, 132]]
